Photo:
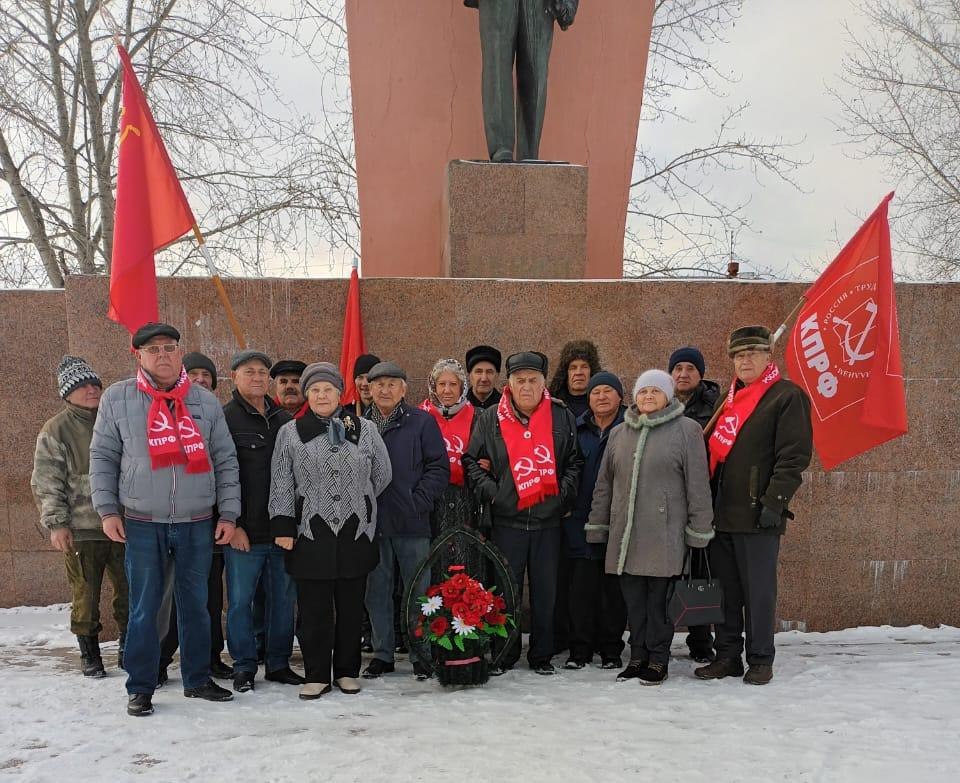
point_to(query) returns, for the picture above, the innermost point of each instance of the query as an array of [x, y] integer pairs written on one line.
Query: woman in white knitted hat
[[651, 501]]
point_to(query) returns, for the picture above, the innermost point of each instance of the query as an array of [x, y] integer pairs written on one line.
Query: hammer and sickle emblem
[[162, 424], [455, 444], [730, 425], [542, 453], [524, 467], [187, 429], [853, 352]]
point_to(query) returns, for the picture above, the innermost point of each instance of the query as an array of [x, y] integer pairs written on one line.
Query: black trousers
[[514, 32], [598, 615], [699, 637], [746, 565], [169, 638], [562, 622], [651, 631], [535, 554], [331, 613]]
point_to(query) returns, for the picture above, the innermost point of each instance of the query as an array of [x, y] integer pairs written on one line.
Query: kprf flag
[[354, 343], [844, 349], [151, 209]]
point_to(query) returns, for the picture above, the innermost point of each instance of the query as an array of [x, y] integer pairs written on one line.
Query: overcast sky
[[785, 55]]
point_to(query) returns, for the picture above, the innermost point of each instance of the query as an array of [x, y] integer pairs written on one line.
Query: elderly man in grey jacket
[[161, 461]]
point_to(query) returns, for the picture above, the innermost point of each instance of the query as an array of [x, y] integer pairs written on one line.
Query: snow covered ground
[[869, 704]]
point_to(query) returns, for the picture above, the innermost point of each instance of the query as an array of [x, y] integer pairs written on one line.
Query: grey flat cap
[[242, 357], [386, 370]]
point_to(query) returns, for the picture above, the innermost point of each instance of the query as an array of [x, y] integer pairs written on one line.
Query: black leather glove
[[564, 12], [769, 518]]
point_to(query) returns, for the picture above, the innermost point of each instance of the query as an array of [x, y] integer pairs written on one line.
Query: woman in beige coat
[[651, 501]]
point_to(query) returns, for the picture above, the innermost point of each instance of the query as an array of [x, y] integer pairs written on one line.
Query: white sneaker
[[314, 690], [348, 685]]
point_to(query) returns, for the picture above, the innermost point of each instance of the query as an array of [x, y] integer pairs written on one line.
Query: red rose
[[460, 581], [439, 626], [472, 595], [498, 602], [471, 618], [496, 619], [418, 631], [449, 592], [459, 609], [433, 590]]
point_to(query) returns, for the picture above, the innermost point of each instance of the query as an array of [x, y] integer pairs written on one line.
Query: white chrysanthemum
[[431, 605], [461, 627]]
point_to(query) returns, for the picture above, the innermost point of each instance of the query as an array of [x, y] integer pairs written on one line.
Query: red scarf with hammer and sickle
[[530, 450], [738, 406], [173, 437], [456, 435]]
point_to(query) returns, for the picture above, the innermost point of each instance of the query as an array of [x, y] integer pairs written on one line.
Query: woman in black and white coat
[[328, 468]]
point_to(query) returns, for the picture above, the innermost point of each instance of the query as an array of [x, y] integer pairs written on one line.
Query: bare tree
[[679, 219], [901, 104], [262, 178]]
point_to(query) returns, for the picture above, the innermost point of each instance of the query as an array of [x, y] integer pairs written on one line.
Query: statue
[[521, 31]]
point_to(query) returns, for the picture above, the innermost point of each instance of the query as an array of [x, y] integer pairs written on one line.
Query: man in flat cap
[[252, 557], [286, 386], [201, 370], [161, 460], [421, 472], [483, 369], [530, 441], [364, 363], [758, 449]]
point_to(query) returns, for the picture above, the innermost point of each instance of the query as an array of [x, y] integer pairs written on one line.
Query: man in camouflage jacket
[[61, 487]]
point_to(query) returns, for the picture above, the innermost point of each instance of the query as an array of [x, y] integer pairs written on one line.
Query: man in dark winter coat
[[483, 363], [61, 487], [758, 449], [361, 367], [699, 398], [598, 615], [530, 443], [421, 471], [253, 557], [286, 386], [579, 361], [202, 371]]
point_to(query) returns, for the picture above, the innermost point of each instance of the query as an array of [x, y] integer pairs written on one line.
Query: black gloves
[[769, 518], [564, 12]]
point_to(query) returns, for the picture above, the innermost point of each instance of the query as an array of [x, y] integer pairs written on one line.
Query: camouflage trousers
[[86, 565]]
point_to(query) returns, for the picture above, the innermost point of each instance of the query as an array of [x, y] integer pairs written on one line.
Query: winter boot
[[121, 644], [91, 664], [720, 668], [653, 674], [758, 674], [632, 671], [139, 705]]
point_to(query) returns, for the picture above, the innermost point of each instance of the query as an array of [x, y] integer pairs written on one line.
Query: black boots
[[139, 705], [91, 664]]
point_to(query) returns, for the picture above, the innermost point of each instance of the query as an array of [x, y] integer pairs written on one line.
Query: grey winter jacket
[[671, 483], [121, 475]]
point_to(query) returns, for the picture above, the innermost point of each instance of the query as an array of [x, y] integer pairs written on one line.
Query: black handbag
[[695, 601]]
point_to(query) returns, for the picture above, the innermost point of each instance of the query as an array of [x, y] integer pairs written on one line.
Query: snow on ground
[[868, 704]]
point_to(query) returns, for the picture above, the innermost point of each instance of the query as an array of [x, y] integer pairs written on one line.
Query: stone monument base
[[515, 220]]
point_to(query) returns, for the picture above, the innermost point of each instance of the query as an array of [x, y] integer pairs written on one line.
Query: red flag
[[354, 343], [151, 209], [845, 348]]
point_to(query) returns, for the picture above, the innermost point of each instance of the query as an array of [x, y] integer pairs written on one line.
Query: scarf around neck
[[455, 429], [381, 421], [530, 449], [737, 408], [173, 437]]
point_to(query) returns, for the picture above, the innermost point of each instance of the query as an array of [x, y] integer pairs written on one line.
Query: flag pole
[[773, 341], [218, 284]]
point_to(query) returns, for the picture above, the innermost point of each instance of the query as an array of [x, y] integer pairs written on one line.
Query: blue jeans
[[409, 552], [262, 564], [151, 546]]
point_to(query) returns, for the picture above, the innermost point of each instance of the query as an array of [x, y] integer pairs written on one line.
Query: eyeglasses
[[166, 348], [749, 356]]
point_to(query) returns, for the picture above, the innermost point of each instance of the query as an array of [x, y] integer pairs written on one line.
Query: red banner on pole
[[151, 208], [844, 349], [354, 343]]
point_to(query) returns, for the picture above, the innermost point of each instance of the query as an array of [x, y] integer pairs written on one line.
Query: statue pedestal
[[515, 220]]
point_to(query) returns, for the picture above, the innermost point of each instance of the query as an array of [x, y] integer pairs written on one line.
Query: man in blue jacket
[[421, 471], [598, 615]]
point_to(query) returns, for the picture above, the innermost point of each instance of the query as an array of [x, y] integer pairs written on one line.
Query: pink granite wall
[[876, 541]]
